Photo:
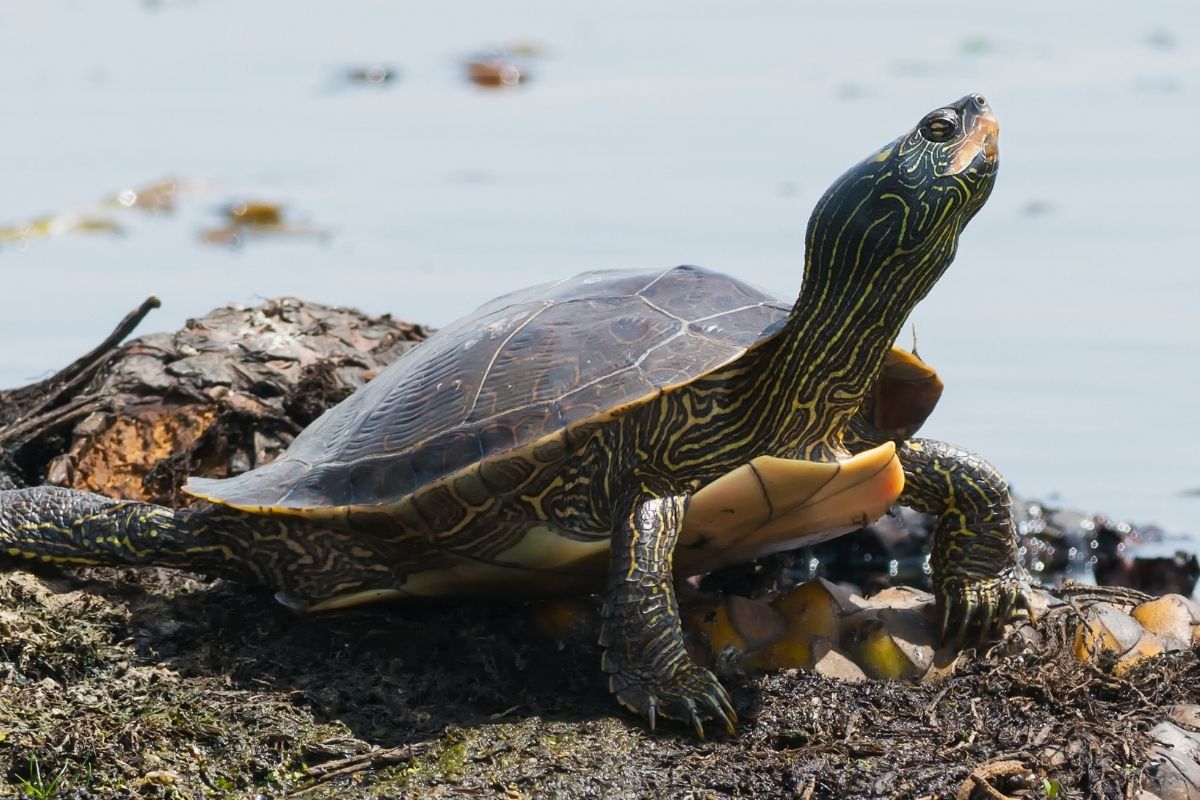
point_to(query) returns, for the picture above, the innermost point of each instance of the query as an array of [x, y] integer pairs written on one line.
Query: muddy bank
[[146, 684], [124, 683]]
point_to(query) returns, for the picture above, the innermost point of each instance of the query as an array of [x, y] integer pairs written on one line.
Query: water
[[651, 133]]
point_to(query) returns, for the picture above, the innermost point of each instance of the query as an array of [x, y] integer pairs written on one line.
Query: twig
[[42, 414], [126, 326], [79, 407], [980, 778], [931, 717], [325, 773]]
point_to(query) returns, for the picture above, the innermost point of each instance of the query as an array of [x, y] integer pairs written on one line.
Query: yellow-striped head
[[887, 229]]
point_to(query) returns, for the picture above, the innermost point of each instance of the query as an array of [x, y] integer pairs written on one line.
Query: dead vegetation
[[152, 684]]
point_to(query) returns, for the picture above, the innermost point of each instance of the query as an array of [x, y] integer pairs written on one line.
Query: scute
[[522, 367]]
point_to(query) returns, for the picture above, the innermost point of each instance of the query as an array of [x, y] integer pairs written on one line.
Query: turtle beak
[[982, 140]]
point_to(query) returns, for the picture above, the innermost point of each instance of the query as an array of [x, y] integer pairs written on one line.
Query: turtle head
[[887, 229]]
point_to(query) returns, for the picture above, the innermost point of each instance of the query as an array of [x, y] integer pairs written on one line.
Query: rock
[[901, 597], [1026, 639], [1170, 615], [1041, 601], [812, 611], [1106, 629], [892, 643], [832, 663], [1187, 715], [1174, 772], [743, 625], [758, 624], [1147, 645]]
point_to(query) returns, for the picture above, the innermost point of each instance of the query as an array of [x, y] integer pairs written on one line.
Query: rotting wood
[[226, 393]]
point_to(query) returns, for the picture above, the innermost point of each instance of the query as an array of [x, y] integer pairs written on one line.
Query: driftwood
[[224, 394]]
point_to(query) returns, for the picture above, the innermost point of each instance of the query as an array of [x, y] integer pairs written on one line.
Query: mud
[[119, 683]]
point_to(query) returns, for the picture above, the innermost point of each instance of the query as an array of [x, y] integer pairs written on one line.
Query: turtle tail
[[71, 528]]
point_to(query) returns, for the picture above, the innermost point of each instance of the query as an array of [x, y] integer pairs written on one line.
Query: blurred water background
[[648, 134]]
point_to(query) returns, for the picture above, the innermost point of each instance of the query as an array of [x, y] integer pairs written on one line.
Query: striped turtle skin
[[616, 431]]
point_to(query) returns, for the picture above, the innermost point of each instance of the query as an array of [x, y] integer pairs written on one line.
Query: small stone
[[1106, 629], [1185, 714], [832, 663], [891, 643], [1168, 615], [1025, 639], [758, 624], [1174, 771], [817, 607], [1041, 601], [1147, 646], [812, 611], [1171, 644], [901, 597]]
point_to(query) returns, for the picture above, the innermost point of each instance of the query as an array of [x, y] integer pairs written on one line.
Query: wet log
[[226, 393]]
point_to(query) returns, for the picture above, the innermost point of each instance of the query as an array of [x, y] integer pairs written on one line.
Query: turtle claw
[[983, 606], [697, 725], [723, 711], [690, 694]]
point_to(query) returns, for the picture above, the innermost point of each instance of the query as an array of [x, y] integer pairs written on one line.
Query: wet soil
[[122, 683]]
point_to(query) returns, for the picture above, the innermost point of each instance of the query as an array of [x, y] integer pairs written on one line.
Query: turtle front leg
[[648, 668], [976, 577]]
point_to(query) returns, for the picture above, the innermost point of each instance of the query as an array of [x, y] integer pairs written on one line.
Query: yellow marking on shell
[[544, 548], [481, 579], [357, 599], [535, 501], [773, 503]]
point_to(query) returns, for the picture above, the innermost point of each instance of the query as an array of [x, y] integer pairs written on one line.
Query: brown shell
[[521, 367]]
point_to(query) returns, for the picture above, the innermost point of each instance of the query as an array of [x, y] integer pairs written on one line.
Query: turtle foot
[[979, 606], [687, 693]]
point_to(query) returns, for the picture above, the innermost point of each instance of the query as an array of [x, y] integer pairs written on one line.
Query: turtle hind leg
[[70, 528], [648, 667]]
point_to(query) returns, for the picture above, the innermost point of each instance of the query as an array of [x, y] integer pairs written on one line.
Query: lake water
[[649, 134]]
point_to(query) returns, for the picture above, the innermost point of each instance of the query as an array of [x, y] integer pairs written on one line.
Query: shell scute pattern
[[522, 367], [690, 293]]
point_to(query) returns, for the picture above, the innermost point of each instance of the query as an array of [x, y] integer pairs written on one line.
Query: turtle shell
[[519, 369]]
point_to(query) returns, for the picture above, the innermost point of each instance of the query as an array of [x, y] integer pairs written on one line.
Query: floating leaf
[[159, 196], [372, 75], [495, 72], [254, 218]]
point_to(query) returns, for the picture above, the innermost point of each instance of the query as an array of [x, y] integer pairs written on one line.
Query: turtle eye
[[940, 126]]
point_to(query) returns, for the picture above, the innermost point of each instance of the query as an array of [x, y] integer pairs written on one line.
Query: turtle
[[614, 432]]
